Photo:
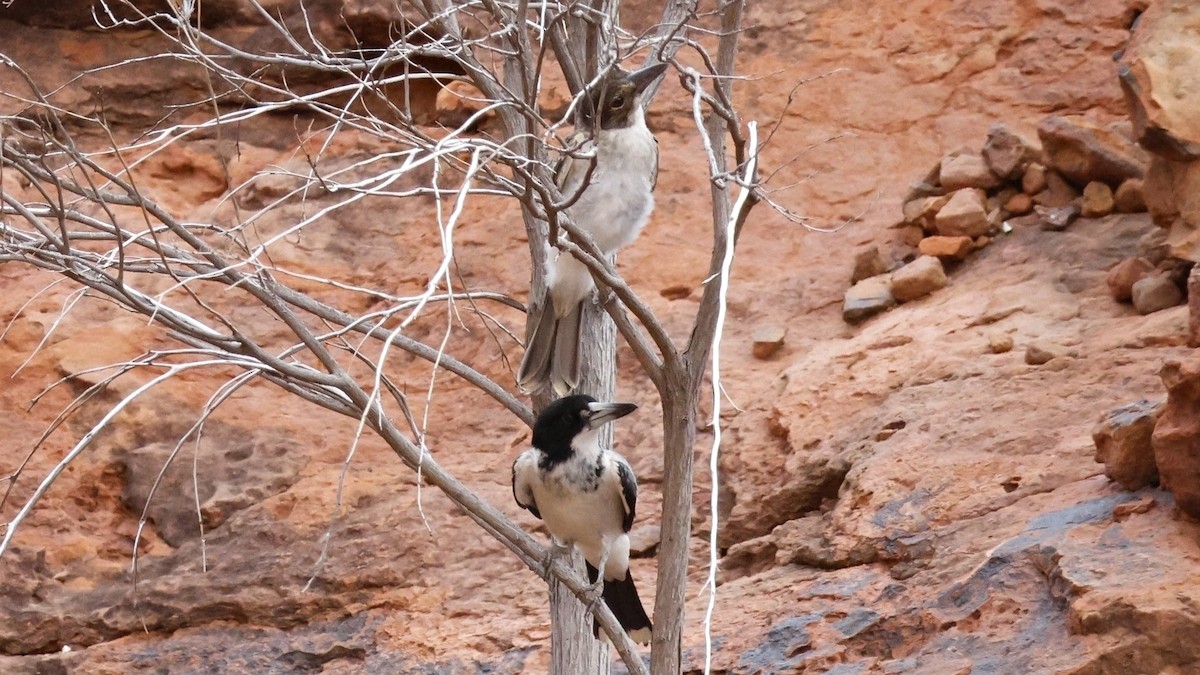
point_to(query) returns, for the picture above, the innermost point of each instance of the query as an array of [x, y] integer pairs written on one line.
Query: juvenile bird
[[586, 494], [613, 208]]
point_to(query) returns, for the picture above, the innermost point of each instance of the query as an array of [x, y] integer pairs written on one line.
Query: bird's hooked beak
[[599, 414], [642, 79]]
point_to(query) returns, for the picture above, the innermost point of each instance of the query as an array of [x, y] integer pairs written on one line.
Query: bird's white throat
[[587, 445]]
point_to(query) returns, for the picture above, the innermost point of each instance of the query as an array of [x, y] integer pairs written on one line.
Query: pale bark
[[573, 650]]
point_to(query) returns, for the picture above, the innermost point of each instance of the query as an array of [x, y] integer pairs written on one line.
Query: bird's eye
[[617, 102]]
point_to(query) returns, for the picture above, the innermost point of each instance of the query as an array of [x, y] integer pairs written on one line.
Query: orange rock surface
[[894, 496]]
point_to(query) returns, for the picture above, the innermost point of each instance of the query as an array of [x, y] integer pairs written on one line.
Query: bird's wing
[[628, 485], [524, 471], [654, 170], [571, 169], [539, 348]]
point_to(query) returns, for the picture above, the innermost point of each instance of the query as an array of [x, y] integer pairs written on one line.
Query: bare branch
[[740, 205]]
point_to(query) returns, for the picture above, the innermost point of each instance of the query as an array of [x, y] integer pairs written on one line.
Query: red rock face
[[905, 494]]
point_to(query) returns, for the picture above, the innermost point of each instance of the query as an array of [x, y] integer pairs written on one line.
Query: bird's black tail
[[621, 596]]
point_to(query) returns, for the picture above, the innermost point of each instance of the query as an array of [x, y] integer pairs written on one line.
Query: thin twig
[[718, 331]]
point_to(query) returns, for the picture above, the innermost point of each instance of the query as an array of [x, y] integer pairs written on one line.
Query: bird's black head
[[564, 420], [616, 98]]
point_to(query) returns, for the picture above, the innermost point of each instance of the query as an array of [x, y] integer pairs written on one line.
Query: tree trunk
[[572, 649], [679, 433]]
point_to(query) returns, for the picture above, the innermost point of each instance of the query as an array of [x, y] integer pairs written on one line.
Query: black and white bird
[[612, 208], [586, 494]]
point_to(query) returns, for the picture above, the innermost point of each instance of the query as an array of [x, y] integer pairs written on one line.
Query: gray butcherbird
[[586, 494], [613, 208]]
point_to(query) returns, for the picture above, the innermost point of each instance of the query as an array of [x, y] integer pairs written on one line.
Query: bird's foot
[[594, 594], [553, 551]]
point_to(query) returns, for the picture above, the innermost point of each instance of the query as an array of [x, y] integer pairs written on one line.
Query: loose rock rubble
[[1074, 168]]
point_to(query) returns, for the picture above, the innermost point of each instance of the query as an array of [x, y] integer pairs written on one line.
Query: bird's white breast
[[618, 201], [589, 518], [613, 208]]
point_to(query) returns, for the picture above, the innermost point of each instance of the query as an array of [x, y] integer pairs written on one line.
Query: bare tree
[[92, 224]]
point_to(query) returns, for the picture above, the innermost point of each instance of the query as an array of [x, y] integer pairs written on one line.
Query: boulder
[[954, 248], [1019, 204], [1129, 197], [1155, 293], [998, 198], [1058, 192], [1125, 274], [922, 210], [768, 340], [1172, 195], [1000, 343], [1176, 438], [918, 279], [1176, 270], [1158, 191], [1183, 241], [966, 170], [1033, 180], [1097, 200], [644, 540], [908, 235], [867, 298], [868, 263], [457, 102], [964, 215], [929, 186], [1193, 300], [1084, 152], [1056, 219], [1123, 445], [1159, 72], [1041, 353], [1007, 153], [1153, 246]]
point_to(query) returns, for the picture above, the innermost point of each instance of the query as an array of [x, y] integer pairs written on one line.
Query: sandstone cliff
[[898, 496]]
